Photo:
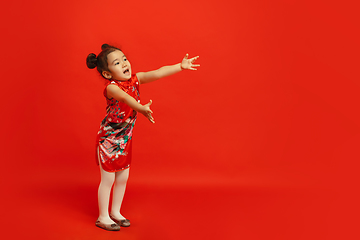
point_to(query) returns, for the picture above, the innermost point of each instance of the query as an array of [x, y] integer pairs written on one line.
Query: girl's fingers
[[186, 56], [194, 59], [151, 119], [149, 103], [149, 116]]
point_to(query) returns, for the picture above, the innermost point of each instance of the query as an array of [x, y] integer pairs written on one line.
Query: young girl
[[113, 150]]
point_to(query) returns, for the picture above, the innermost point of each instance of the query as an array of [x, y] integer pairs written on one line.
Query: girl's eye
[[125, 59], [117, 63]]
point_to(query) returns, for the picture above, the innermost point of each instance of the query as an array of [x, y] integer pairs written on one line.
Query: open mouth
[[126, 71]]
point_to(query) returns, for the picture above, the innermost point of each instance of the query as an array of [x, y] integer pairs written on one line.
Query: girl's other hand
[[188, 63], [146, 111]]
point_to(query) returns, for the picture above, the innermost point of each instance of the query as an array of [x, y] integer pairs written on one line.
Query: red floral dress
[[115, 134]]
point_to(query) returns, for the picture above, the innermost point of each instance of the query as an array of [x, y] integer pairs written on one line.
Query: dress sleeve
[[107, 84]]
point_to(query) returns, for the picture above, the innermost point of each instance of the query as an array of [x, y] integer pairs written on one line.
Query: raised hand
[[189, 63], [146, 111]]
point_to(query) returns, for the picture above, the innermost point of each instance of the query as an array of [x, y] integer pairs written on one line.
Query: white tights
[[107, 181]]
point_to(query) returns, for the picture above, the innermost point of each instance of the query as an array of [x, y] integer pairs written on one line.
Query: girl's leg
[[121, 178], [107, 180]]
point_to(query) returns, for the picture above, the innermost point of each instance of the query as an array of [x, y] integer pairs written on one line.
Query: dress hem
[[118, 170]]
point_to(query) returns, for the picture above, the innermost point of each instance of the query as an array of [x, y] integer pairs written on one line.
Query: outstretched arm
[[146, 77], [115, 92]]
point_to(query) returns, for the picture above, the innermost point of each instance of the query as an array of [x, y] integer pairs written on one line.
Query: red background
[[260, 143]]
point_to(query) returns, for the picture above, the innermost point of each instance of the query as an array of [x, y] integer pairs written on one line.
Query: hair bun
[[91, 61], [105, 46]]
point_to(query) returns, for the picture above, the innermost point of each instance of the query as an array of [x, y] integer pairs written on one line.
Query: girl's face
[[119, 66]]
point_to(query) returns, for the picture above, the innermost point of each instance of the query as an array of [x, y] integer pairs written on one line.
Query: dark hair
[[100, 62]]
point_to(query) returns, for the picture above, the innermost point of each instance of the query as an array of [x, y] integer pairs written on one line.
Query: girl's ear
[[106, 74]]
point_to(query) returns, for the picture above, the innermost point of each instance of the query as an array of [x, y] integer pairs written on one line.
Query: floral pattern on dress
[[116, 129]]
